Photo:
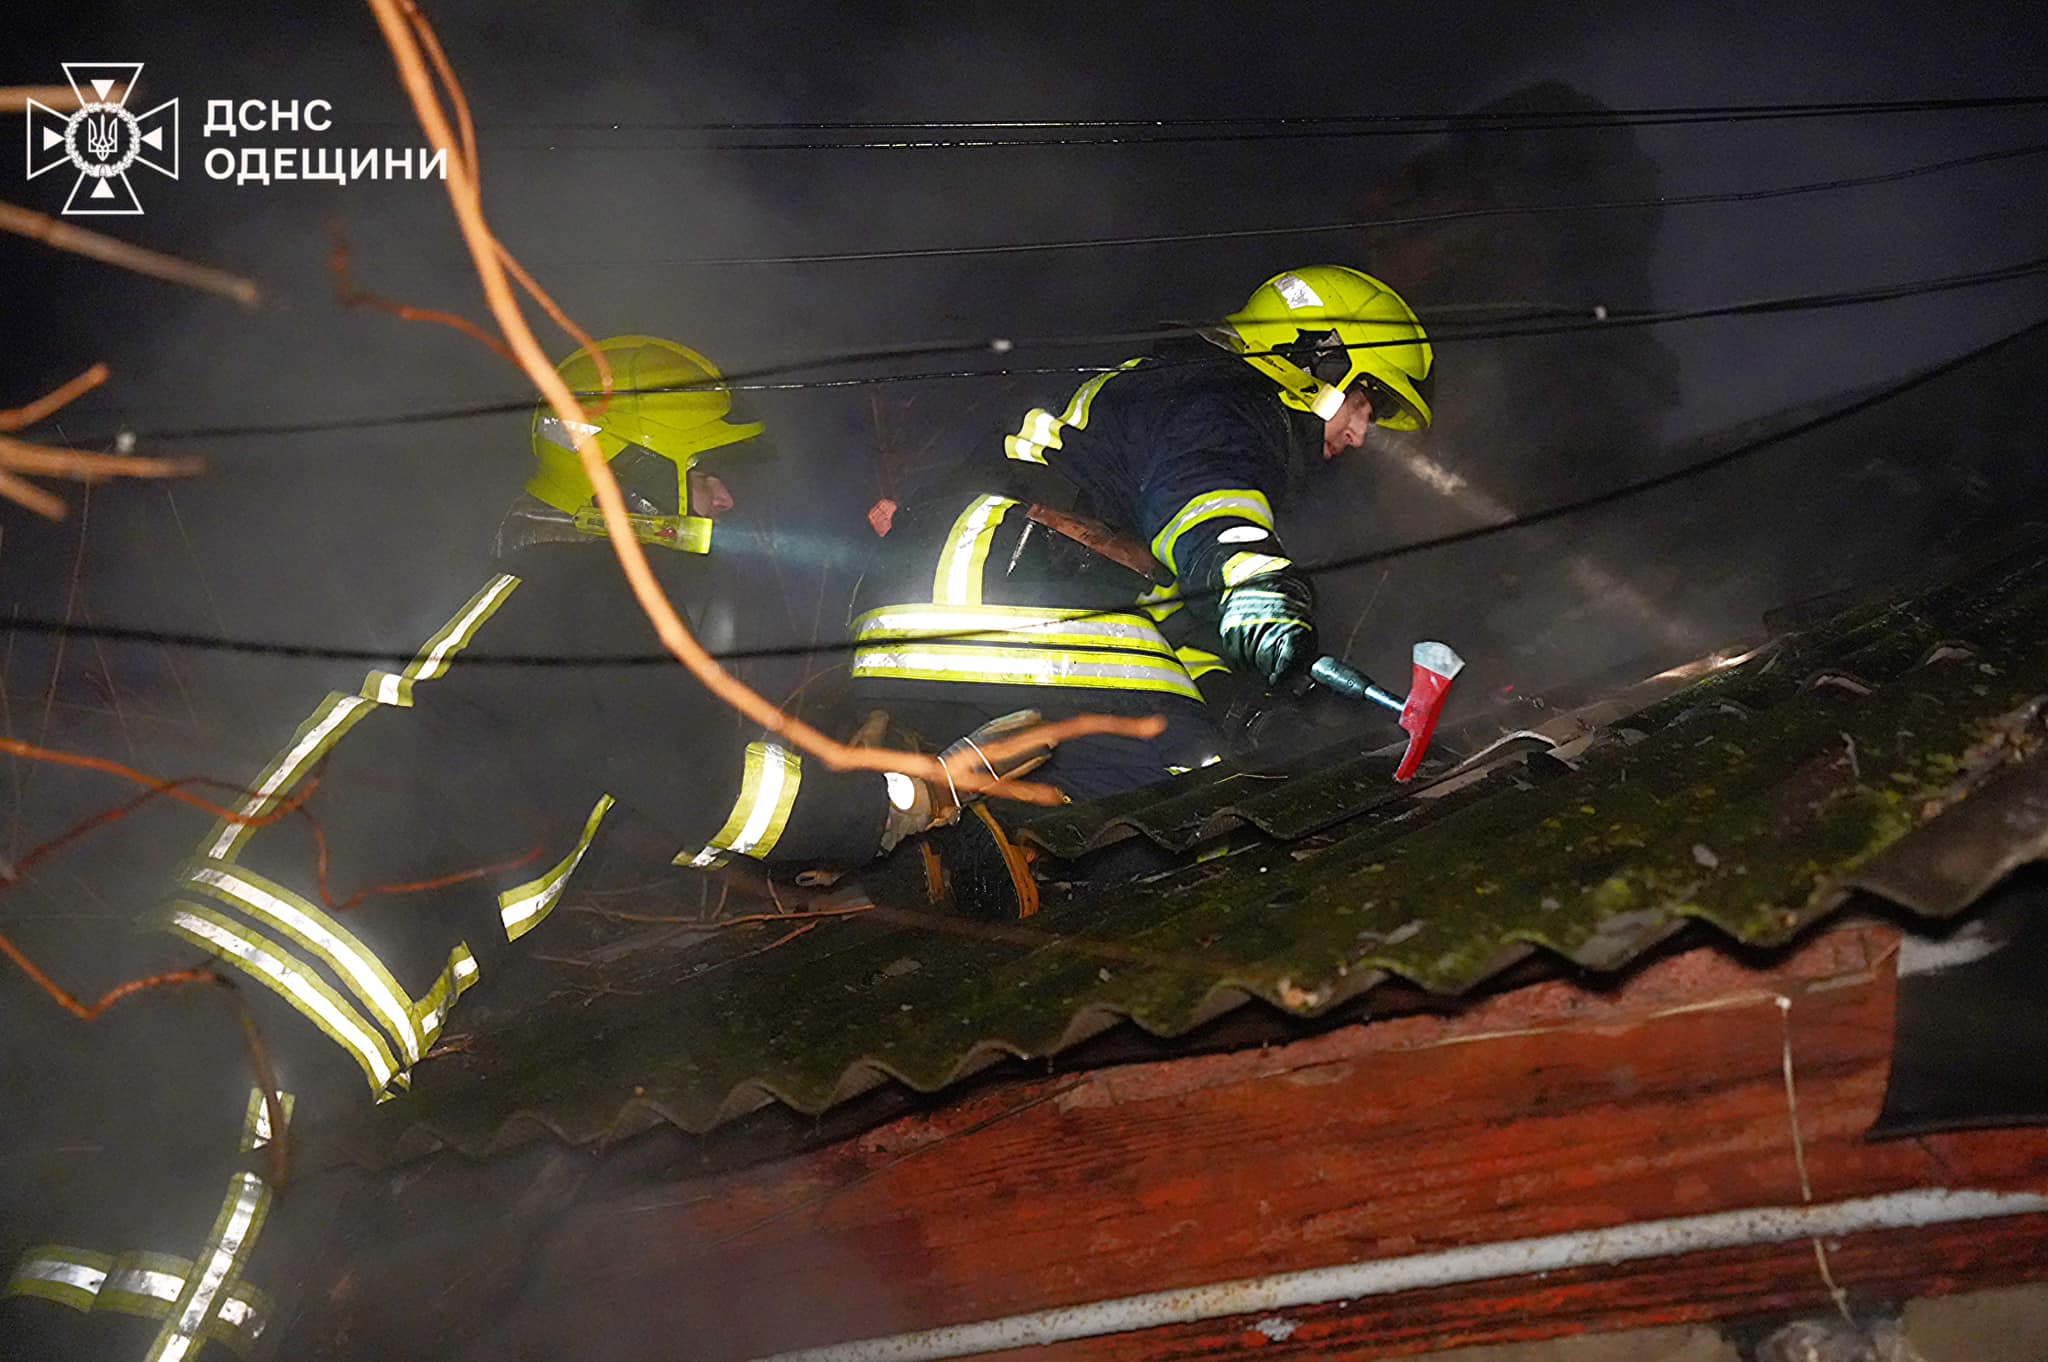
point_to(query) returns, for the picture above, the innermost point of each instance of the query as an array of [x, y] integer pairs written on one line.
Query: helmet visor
[[1387, 405]]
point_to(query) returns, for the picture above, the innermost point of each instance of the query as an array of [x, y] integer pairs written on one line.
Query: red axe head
[[1435, 666]]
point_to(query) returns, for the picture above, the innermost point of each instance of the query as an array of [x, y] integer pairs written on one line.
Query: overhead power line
[[1325, 567], [771, 378], [1183, 131], [1308, 229]]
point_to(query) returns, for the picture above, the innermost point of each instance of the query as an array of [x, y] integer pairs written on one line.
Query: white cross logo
[[101, 139]]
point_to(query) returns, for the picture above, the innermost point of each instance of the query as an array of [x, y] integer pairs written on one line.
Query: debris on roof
[[1880, 750]]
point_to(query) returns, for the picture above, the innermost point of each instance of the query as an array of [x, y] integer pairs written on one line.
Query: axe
[[1435, 666]]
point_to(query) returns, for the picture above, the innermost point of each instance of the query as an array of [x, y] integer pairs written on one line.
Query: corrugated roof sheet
[[1753, 799]]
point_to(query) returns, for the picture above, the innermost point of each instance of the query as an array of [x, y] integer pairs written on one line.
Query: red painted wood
[[1553, 1109]]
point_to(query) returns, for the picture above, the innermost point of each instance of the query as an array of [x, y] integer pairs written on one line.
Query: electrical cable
[[1325, 567], [768, 378], [1853, 107], [1247, 130], [1312, 229]]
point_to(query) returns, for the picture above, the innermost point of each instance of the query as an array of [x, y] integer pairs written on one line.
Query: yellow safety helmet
[[660, 423], [1323, 330]]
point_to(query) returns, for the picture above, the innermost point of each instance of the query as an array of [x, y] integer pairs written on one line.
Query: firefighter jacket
[[1186, 450]]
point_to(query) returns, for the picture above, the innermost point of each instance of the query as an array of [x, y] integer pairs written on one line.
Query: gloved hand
[[1268, 624]]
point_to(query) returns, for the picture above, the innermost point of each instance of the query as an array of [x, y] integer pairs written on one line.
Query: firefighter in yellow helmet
[[661, 747], [659, 419], [1326, 332], [1131, 559]]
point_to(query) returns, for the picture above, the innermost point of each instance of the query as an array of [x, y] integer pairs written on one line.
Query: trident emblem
[[102, 135]]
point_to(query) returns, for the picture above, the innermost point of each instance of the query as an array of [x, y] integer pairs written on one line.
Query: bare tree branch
[[55, 400], [26, 494], [20, 456], [64, 237], [62, 98]]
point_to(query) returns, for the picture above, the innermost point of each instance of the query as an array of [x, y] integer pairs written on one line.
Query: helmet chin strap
[[1327, 401], [683, 533]]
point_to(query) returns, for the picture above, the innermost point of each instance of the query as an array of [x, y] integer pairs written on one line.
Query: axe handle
[[1125, 550], [1351, 683]]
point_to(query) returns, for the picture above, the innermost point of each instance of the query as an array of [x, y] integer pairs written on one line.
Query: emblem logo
[[102, 140]]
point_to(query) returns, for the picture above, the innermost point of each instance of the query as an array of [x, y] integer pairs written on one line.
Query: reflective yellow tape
[[1161, 602], [958, 578], [1239, 568], [1026, 667], [60, 1274], [1200, 662], [1028, 626], [241, 1319], [327, 725], [1237, 503], [454, 636], [294, 981], [355, 964], [742, 808], [216, 1268], [140, 1283], [1084, 396], [337, 714], [455, 980], [523, 908], [1040, 430], [146, 1284], [760, 815]]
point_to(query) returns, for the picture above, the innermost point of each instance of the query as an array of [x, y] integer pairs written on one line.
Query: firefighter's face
[[1346, 428], [709, 496]]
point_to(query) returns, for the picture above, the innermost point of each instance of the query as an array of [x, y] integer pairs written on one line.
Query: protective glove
[[1268, 624]]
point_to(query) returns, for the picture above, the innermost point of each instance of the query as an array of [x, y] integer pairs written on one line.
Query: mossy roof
[[1752, 799]]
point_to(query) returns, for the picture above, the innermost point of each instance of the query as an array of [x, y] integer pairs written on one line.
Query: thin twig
[[718, 925], [104, 818], [64, 237], [26, 494], [430, 42], [50, 462], [348, 295], [279, 1146], [106, 672], [174, 789], [951, 924], [568, 324], [57, 98], [320, 863], [252, 1039], [53, 401], [779, 941], [89, 1011]]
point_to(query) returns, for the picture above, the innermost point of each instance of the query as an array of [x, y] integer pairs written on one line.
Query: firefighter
[[454, 804], [1131, 559]]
